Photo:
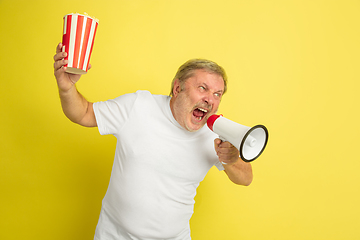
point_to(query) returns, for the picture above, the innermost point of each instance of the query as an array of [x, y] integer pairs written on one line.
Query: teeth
[[204, 110]]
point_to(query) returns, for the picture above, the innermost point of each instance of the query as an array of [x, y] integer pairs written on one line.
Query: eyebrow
[[218, 91]]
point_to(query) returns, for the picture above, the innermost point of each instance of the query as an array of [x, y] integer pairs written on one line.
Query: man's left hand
[[228, 154]]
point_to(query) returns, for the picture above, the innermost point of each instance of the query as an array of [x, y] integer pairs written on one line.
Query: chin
[[192, 130], [194, 127]]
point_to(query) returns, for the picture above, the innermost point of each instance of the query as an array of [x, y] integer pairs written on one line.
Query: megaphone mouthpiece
[[211, 120]]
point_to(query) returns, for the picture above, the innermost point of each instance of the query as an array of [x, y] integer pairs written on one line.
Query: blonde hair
[[187, 70]]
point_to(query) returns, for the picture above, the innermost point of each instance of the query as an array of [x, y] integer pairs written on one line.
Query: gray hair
[[187, 70]]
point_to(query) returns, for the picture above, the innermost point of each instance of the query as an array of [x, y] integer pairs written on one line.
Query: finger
[[59, 72], [227, 148], [60, 56], [59, 64], [217, 141], [229, 158], [226, 145], [59, 47]]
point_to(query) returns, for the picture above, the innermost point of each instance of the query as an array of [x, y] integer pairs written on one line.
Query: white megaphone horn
[[250, 141]]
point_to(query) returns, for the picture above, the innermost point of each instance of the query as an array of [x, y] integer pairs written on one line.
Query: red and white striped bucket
[[78, 41]]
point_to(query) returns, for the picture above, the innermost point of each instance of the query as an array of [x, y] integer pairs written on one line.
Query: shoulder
[[146, 98], [125, 99], [148, 95]]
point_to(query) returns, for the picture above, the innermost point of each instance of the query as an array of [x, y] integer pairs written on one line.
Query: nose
[[208, 99]]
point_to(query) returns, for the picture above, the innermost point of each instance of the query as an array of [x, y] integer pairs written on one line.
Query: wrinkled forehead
[[210, 79]]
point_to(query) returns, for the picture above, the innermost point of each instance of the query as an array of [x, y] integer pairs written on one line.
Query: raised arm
[[74, 105]]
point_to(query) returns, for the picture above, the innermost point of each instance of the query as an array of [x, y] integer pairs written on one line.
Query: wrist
[[67, 91]]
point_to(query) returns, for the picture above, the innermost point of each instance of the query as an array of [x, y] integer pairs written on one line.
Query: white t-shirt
[[157, 167]]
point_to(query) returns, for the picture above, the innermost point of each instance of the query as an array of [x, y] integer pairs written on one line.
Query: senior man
[[163, 150]]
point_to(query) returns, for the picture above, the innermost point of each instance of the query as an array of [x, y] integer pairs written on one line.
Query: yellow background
[[292, 65]]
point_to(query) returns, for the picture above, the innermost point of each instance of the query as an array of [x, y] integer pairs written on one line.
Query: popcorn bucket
[[78, 41]]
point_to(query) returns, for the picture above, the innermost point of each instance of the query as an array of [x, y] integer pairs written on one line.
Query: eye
[[217, 95], [202, 88]]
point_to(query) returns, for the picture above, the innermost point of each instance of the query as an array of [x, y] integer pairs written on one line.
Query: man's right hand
[[74, 105], [64, 80]]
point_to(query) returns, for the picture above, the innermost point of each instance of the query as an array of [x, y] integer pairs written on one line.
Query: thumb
[[217, 142]]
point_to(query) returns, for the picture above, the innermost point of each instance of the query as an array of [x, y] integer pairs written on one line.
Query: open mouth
[[199, 113]]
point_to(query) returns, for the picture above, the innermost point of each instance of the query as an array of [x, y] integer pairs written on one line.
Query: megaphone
[[251, 141]]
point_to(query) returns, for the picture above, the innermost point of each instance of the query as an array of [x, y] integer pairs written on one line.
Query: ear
[[176, 88]]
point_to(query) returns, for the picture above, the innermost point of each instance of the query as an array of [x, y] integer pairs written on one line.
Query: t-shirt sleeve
[[219, 166], [112, 114]]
